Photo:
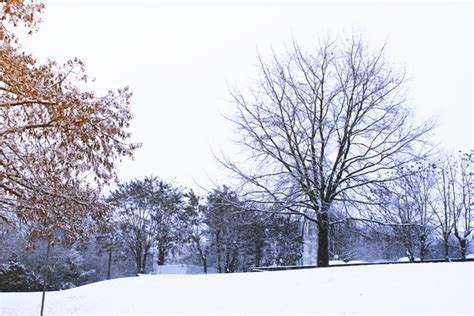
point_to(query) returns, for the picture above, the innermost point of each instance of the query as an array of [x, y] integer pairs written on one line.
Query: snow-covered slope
[[415, 289]]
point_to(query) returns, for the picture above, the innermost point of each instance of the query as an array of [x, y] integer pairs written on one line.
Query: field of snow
[[408, 289]]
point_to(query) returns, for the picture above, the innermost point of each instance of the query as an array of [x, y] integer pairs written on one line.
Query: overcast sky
[[179, 57]]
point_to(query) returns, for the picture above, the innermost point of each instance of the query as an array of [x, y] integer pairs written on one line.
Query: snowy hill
[[415, 289]]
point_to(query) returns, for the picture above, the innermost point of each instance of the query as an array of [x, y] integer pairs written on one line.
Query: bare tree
[[445, 204], [464, 215], [404, 206], [321, 127], [395, 213], [419, 187]]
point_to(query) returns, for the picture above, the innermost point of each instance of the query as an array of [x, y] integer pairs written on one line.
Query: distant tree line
[[155, 220], [426, 213]]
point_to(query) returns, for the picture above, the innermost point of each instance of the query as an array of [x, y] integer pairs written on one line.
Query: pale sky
[[179, 58]]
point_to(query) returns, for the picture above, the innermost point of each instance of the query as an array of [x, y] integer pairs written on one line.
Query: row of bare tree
[[428, 200], [219, 231]]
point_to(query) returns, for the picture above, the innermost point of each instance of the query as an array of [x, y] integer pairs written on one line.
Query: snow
[[470, 256], [180, 269], [336, 262], [414, 289], [357, 262], [406, 259]]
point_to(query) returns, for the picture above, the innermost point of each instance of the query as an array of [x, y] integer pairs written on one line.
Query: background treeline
[[425, 214], [154, 220]]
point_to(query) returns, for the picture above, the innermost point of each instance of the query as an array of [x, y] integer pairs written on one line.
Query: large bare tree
[[322, 126]]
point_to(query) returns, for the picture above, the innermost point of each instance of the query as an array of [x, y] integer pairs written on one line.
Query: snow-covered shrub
[[72, 272], [14, 277]]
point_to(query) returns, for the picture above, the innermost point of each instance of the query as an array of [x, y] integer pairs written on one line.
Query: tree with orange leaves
[[58, 143]]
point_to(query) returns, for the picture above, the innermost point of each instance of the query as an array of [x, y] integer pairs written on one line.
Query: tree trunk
[[462, 243], [257, 258], [109, 264], [204, 264], [323, 239], [203, 256], [219, 259], [161, 256], [145, 256], [46, 275], [259, 244], [446, 248], [138, 261], [423, 247], [410, 254], [422, 252]]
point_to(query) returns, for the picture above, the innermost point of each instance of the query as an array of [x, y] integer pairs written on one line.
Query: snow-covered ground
[[408, 289]]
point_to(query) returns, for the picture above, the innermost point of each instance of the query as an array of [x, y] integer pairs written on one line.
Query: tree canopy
[[59, 142]]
